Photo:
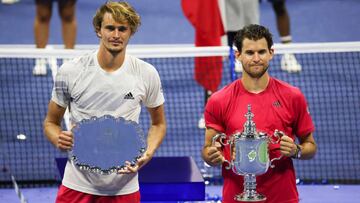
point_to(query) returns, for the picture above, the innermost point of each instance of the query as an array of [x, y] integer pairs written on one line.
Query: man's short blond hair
[[121, 12]]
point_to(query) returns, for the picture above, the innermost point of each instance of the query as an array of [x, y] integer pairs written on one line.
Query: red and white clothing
[[88, 91], [279, 107], [67, 195]]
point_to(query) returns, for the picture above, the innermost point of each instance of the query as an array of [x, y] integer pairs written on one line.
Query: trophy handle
[[278, 134], [221, 138]]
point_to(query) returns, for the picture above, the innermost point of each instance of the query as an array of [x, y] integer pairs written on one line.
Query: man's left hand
[[129, 168], [287, 146]]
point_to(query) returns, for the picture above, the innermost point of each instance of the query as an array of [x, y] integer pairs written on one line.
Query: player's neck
[[255, 85], [110, 61]]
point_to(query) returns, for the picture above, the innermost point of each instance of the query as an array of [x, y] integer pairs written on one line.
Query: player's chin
[[115, 49]]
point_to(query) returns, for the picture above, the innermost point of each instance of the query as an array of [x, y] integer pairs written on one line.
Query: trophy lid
[[249, 125]]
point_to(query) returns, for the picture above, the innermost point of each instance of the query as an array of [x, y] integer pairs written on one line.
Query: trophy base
[[247, 198]]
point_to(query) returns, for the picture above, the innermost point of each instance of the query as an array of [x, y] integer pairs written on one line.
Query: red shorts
[[67, 195]]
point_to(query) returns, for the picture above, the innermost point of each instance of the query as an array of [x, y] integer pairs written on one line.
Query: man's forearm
[[204, 154], [308, 150], [52, 122], [52, 131], [155, 137]]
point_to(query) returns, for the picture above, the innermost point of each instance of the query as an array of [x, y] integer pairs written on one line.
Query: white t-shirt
[[88, 90]]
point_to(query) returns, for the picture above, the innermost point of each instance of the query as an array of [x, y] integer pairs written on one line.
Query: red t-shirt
[[280, 106]]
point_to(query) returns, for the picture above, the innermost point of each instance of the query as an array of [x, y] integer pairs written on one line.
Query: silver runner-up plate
[[103, 145]]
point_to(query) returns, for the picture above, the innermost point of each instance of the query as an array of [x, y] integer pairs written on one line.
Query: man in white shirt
[[97, 84]]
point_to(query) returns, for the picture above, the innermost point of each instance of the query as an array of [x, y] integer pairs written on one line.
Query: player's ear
[[97, 31], [98, 34], [237, 54], [271, 51]]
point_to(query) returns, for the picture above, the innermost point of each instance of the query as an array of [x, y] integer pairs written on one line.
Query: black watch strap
[[297, 154]]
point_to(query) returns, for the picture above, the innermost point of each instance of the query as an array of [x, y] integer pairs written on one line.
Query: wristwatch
[[297, 154]]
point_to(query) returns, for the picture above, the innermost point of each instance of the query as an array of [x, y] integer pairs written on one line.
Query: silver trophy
[[251, 156]]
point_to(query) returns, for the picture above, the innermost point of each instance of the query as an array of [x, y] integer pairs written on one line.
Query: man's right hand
[[65, 140], [213, 155]]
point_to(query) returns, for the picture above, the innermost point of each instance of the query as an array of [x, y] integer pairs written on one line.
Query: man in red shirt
[[275, 104]]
